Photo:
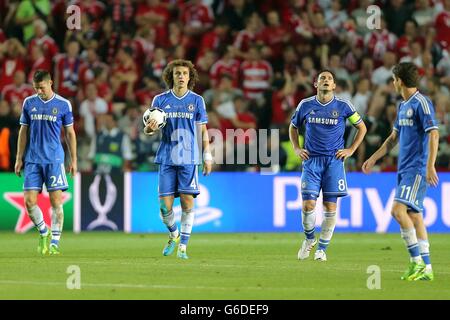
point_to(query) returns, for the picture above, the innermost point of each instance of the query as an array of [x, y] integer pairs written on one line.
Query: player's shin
[[309, 222], [37, 217], [168, 218], [57, 224], [410, 239], [424, 248], [187, 221], [327, 229]]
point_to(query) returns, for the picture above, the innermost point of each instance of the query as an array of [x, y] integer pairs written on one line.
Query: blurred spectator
[[275, 36], [226, 65], [362, 96], [42, 39], [111, 149], [256, 74], [397, 12], [17, 91], [123, 76], [153, 16], [423, 14], [384, 72], [236, 13], [91, 108], [67, 70], [379, 41], [442, 27], [11, 61], [196, 19], [248, 36], [27, 12], [37, 62]]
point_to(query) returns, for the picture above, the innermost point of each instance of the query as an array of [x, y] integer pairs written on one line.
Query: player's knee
[[164, 209], [30, 204], [308, 206], [396, 214]]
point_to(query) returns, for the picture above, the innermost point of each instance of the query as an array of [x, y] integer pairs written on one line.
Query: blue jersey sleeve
[[156, 102], [201, 116], [67, 118], [425, 111], [298, 117], [350, 113], [25, 117], [396, 126]]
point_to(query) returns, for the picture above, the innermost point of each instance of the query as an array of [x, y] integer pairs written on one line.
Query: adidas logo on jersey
[[167, 107], [34, 109], [312, 112]]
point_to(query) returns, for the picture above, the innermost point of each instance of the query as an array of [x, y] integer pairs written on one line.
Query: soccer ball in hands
[[157, 114]]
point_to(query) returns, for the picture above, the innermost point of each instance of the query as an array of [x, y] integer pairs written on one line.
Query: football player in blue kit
[[41, 156], [323, 117], [416, 131], [178, 155]]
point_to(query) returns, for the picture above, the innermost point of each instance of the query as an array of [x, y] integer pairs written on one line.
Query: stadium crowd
[[256, 60]]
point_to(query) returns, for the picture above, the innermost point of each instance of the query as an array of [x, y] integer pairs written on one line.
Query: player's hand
[[151, 127], [18, 167], [73, 168], [368, 165], [344, 153], [207, 166], [432, 177], [302, 153]]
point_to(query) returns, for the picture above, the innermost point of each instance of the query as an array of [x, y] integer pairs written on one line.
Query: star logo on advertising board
[[24, 223]]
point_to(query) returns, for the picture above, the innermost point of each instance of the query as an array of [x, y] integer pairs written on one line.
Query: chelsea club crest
[[334, 114], [55, 111], [409, 113], [191, 107]]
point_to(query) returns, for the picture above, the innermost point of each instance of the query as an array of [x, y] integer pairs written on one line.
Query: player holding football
[[43, 115], [416, 130], [323, 117], [178, 153]]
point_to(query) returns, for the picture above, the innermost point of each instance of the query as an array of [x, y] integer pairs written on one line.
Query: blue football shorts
[[52, 174], [411, 190], [174, 180], [326, 173]]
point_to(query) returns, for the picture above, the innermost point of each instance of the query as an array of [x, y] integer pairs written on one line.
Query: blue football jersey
[[415, 117], [44, 120], [324, 124], [181, 134]]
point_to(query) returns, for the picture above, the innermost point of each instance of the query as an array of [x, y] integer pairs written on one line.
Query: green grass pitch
[[221, 266]]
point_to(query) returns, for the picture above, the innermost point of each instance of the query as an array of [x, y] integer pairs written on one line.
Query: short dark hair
[[408, 73], [41, 75], [326, 70]]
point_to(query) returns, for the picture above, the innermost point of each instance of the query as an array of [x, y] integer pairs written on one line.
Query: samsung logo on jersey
[[46, 117], [185, 115], [406, 122], [323, 121]]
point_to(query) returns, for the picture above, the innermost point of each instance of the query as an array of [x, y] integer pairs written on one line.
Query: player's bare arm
[[293, 136], [387, 146], [207, 157], [345, 153], [71, 140], [433, 143], [21, 145]]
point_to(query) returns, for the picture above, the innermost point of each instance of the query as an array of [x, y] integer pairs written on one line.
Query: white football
[[157, 114]]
